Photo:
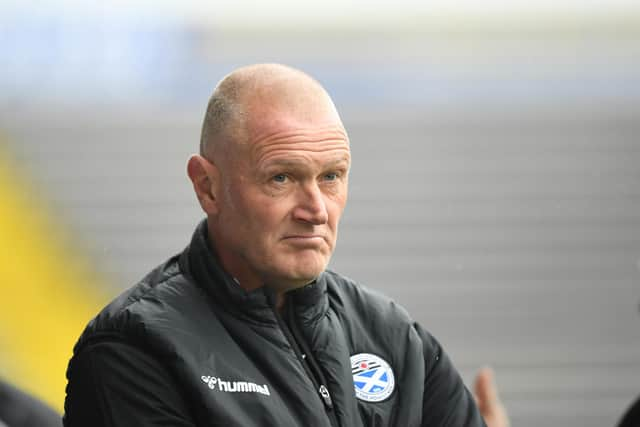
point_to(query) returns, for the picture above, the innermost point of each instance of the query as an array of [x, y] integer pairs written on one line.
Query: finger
[[485, 388]]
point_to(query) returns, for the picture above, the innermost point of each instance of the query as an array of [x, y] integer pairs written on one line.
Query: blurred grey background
[[495, 183]]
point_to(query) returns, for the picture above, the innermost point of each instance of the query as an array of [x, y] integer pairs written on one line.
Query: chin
[[306, 276], [296, 268], [305, 272]]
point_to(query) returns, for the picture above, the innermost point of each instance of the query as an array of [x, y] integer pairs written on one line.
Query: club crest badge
[[372, 377]]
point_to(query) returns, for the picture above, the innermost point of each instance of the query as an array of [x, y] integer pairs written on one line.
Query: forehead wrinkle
[[298, 163], [322, 132], [306, 149]]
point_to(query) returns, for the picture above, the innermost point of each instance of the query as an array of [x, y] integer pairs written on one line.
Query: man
[[245, 327], [19, 409]]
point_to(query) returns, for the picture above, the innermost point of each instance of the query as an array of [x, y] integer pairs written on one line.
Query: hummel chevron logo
[[215, 383]]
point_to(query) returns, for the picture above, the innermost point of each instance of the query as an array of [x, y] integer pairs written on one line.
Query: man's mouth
[[304, 239], [304, 236]]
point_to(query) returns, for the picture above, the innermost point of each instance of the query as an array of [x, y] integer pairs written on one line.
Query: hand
[[488, 400]]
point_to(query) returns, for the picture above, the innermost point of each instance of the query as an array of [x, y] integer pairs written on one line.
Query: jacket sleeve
[[115, 384], [446, 400]]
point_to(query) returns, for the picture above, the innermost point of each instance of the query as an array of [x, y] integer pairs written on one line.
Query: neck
[[280, 299]]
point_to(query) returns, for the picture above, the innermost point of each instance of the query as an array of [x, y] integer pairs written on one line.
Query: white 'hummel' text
[[234, 386]]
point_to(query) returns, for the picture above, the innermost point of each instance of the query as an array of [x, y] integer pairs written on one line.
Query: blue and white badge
[[372, 377]]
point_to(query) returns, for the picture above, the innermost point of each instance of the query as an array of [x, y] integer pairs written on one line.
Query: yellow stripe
[[47, 290]]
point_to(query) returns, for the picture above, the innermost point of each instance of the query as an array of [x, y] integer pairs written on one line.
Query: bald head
[[255, 96], [272, 176]]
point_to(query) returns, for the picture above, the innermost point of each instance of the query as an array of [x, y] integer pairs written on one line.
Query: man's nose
[[311, 207]]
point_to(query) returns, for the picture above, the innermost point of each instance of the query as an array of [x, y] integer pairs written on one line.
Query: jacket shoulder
[[367, 312], [353, 298], [151, 303], [374, 322]]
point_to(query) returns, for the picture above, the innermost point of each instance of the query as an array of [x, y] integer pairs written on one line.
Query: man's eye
[[280, 178], [331, 176]]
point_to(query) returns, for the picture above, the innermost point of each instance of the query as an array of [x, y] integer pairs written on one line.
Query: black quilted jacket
[[188, 347]]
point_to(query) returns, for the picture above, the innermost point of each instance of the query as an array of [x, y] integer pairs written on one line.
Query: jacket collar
[[200, 262]]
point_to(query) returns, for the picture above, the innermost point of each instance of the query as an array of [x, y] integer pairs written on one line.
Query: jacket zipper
[[306, 360]]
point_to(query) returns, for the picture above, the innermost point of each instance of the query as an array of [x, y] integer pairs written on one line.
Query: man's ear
[[205, 177]]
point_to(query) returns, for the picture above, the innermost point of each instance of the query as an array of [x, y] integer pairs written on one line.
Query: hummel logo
[[234, 386]]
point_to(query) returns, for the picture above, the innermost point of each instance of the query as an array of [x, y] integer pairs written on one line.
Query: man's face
[[283, 194]]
